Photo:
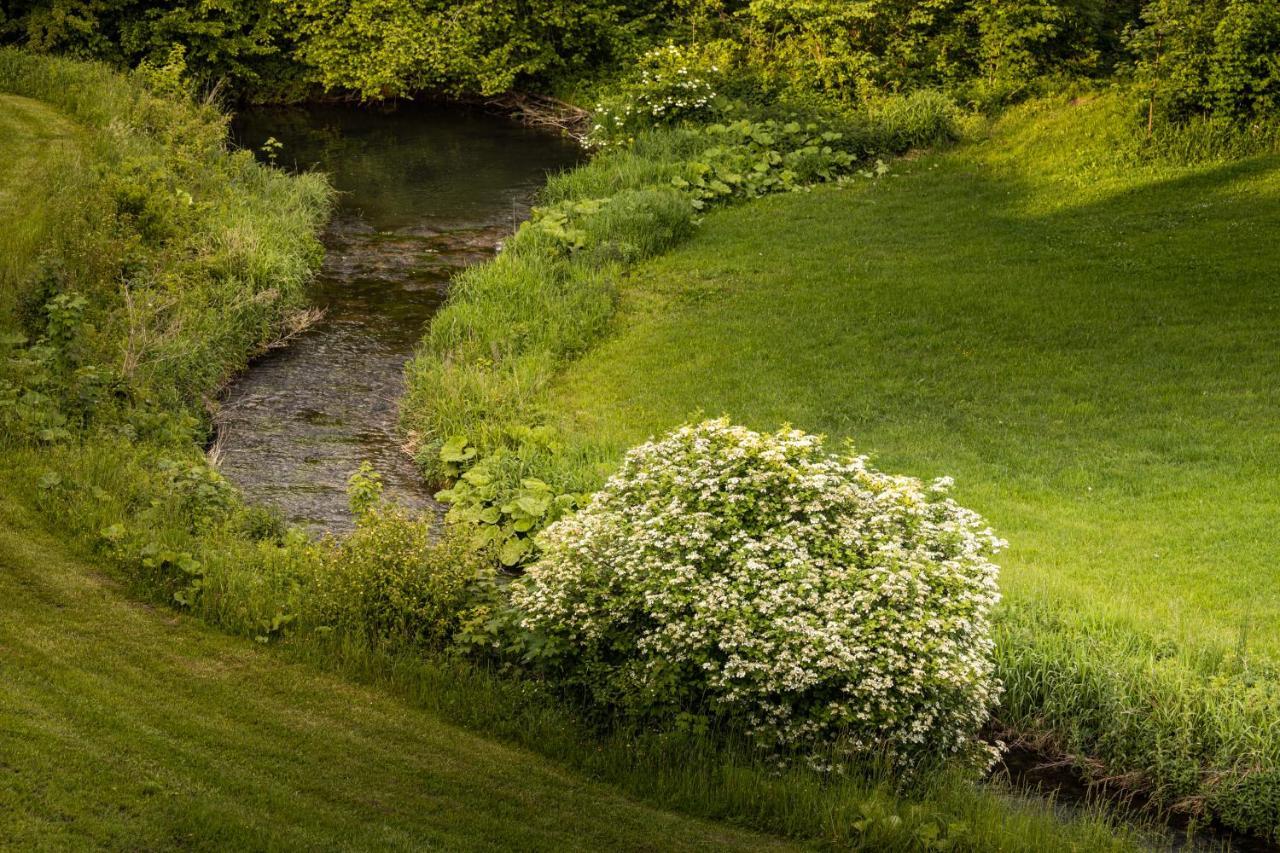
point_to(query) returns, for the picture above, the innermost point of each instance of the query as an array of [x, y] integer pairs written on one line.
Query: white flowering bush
[[668, 84], [825, 607]]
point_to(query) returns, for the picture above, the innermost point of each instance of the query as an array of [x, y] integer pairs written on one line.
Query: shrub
[[755, 579], [389, 581], [746, 159], [667, 85], [497, 503]]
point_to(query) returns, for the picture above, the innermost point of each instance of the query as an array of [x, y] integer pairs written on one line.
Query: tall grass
[[190, 255], [1195, 729]]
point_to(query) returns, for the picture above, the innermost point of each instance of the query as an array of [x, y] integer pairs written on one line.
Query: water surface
[[425, 191]]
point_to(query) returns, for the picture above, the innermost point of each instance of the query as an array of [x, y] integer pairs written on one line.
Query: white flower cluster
[[821, 604], [668, 88]]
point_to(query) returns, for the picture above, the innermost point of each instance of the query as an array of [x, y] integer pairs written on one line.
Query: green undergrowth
[[174, 258], [1084, 337]]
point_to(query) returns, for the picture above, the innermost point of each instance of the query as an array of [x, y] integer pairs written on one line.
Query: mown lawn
[[128, 727], [1092, 348], [34, 140]]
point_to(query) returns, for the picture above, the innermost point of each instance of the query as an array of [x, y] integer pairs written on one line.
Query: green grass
[[1090, 351], [127, 727], [1088, 343], [36, 140]]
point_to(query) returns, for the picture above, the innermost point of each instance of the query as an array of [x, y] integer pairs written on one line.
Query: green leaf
[[513, 551], [533, 505], [457, 449], [114, 533]]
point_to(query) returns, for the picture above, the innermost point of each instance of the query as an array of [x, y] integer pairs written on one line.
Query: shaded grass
[[127, 727], [1088, 344]]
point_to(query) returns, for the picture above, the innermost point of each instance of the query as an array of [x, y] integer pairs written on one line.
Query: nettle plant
[[827, 609]]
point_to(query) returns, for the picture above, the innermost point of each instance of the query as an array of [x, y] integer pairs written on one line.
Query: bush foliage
[[1192, 58], [819, 604]]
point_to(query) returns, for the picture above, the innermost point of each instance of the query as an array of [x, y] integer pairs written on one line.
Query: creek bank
[[425, 190]]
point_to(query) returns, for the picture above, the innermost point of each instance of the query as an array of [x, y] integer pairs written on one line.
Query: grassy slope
[[27, 128], [1091, 349], [125, 727], [33, 136]]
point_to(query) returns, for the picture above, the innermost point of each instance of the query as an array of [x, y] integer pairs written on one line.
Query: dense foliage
[[393, 581], [244, 42], [383, 49], [170, 258], [1218, 59], [1193, 59], [816, 602]]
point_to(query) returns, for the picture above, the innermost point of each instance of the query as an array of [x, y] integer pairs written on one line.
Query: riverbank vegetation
[[1064, 303]]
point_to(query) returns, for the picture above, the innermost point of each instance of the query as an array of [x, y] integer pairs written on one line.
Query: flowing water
[[425, 191]]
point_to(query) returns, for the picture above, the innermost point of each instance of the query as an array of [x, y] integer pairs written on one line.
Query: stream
[[425, 191]]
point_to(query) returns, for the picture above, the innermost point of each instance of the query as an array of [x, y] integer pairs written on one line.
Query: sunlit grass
[[1089, 344], [1091, 353]]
